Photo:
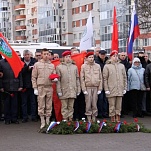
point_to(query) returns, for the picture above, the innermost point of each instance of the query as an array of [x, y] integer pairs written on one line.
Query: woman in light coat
[[135, 82]]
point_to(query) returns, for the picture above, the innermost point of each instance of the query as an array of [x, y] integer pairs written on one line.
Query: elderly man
[[96, 52], [115, 85], [68, 86], [28, 94], [126, 98]]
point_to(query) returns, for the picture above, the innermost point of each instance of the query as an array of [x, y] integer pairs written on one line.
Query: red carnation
[[135, 120], [24, 90], [12, 95], [125, 122], [69, 123], [80, 123], [104, 120]]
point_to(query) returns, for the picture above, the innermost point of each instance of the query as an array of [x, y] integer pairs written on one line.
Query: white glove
[[35, 91], [59, 94], [99, 92], [78, 94], [124, 91], [55, 80], [107, 92], [85, 92]]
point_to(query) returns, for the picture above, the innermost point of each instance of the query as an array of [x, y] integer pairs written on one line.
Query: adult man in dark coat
[[28, 93], [10, 85], [102, 103], [126, 98]]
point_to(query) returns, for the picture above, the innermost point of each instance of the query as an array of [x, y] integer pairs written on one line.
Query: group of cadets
[[106, 87]]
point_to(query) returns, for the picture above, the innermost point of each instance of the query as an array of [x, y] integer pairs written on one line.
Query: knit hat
[[136, 60]]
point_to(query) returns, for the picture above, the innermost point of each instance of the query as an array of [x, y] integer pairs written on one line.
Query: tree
[[144, 14]]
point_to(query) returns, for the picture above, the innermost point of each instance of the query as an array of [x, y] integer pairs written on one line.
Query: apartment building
[[74, 15], [5, 25], [123, 8]]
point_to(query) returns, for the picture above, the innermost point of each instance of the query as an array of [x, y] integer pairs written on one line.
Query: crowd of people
[[106, 86]]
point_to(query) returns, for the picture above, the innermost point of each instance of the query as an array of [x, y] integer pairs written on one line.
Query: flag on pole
[[133, 33], [10, 55], [115, 32], [86, 41]]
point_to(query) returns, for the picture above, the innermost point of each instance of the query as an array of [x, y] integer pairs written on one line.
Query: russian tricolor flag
[[133, 33]]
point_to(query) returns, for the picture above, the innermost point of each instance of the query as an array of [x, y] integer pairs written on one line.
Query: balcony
[[20, 17], [20, 28], [20, 37], [19, 7]]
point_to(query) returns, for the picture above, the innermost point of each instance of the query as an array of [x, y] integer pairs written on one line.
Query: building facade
[[123, 8], [5, 24], [80, 14]]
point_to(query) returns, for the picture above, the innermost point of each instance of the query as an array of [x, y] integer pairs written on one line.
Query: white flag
[[86, 41]]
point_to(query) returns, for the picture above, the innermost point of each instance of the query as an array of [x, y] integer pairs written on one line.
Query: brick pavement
[[24, 137]]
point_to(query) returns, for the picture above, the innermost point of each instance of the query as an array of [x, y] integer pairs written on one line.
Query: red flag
[[115, 32], [79, 59], [10, 55], [56, 101], [55, 62]]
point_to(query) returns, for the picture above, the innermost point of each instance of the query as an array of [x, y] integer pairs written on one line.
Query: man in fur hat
[[115, 85]]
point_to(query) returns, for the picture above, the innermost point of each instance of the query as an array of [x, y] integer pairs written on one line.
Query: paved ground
[[24, 137]]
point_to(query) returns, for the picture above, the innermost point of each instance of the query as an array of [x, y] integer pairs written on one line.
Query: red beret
[[89, 54], [113, 52], [53, 76], [66, 53]]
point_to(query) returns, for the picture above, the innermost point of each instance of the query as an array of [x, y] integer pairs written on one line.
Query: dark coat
[[126, 64], [148, 76], [143, 62], [99, 61], [26, 73], [8, 81]]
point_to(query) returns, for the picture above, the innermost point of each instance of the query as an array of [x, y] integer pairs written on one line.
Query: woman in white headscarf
[[136, 86]]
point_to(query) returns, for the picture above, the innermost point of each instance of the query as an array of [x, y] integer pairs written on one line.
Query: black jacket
[[26, 74], [126, 64], [143, 62], [99, 61], [8, 81], [148, 76]]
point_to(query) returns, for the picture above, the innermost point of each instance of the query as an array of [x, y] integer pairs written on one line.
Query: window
[[145, 42], [63, 12], [80, 22], [92, 6], [80, 35], [80, 9], [109, 14], [75, 36], [92, 20], [86, 7], [63, 25], [74, 23], [28, 11]]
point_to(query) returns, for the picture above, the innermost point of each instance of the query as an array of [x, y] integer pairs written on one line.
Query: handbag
[[142, 85]]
